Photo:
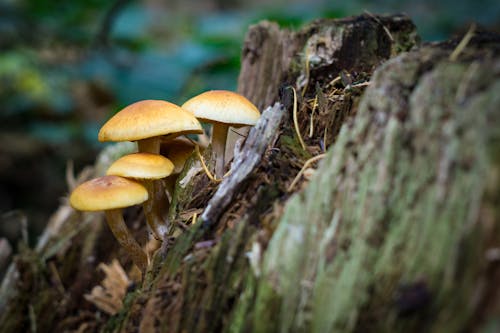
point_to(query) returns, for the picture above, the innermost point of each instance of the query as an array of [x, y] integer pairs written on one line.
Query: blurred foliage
[[66, 66]]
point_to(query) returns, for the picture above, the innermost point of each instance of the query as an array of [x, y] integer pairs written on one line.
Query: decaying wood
[[396, 228], [273, 58], [392, 233], [260, 138]]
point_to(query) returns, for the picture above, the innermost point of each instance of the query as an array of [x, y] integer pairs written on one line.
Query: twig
[[204, 166], [24, 228], [380, 22], [236, 132], [301, 172], [32, 318], [182, 225], [463, 43], [57, 278], [295, 120], [311, 125], [307, 72], [362, 84], [335, 80], [70, 175], [259, 140], [325, 135]]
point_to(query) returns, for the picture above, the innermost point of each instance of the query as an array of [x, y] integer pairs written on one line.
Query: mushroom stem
[[149, 145], [219, 137], [119, 229], [156, 208], [169, 184]]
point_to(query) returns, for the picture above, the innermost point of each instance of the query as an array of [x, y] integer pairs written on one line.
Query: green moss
[[35, 300], [393, 203], [183, 193], [183, 244], [292, 144], [267, 305], [242, 316], [117, 322], [210, 278]]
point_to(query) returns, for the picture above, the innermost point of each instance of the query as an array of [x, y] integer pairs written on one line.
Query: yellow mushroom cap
[[178, 151], [149, 118], [141, 166], [224, 107], [108, 192]]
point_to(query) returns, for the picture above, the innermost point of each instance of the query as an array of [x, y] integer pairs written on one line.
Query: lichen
[[391, 205]]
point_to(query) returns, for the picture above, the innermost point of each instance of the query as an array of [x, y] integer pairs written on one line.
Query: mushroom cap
[[149, 118], [108, 192], [178, 151], [224, 107], [141, 166]]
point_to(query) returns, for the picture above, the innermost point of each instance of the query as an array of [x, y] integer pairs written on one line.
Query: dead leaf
[[108, 296]]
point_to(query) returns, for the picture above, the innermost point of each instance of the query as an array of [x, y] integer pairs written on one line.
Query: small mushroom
[[223, 109], [110, 194], [178, 151], [148, 120], [149, 169]]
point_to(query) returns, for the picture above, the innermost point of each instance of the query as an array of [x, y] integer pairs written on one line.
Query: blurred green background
[[67, 66]]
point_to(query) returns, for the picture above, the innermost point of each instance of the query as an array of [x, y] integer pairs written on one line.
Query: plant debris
[[108, 297]]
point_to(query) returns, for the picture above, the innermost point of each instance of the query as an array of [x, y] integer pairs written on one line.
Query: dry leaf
[[108, 296]]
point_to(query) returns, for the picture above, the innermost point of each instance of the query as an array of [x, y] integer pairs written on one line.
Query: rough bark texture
[[393, 232], [397, 229]]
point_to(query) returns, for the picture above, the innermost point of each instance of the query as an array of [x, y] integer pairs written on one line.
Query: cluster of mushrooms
[[137, 178]]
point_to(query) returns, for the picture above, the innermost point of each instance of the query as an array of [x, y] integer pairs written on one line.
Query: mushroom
[[149, 169], [223, 109], [146, 121], [110, 194], [178, 151]]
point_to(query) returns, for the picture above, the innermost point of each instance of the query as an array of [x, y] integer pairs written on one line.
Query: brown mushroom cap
[[178, 151], [108, 192], [142, 166], [224, 107], [149, 118]]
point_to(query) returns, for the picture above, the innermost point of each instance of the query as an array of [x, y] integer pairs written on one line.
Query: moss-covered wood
[[393, 232]]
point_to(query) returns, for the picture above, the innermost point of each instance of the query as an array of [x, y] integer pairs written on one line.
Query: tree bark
[[396, 229]]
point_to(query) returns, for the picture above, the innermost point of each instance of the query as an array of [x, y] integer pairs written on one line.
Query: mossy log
[[396, 230]]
